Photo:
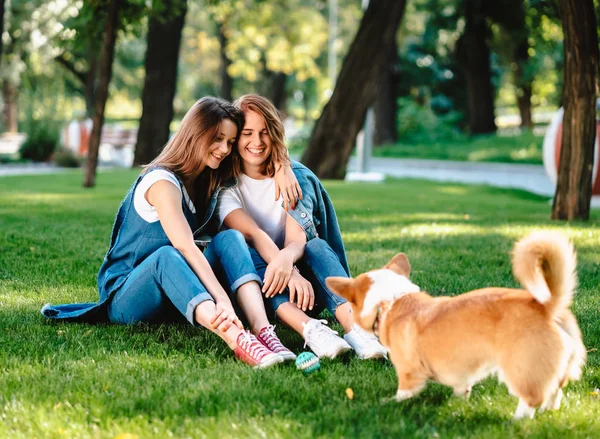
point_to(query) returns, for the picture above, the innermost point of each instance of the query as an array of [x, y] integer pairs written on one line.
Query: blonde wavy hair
[[275, 130], [184, 152]]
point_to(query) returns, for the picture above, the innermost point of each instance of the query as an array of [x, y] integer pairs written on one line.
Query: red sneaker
[[254, 353], [268, 337]]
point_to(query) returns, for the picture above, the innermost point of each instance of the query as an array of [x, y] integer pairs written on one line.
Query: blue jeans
[[318, 263], [164, 287]]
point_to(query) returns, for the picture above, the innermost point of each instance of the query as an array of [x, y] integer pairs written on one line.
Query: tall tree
[[523, 79], [226, 79], [335, 131], [386, 106], [523, 82], [574, 185], [162, 55], [107, 54], [2, 2], [80, 51], [473, 52], [274, 88], [512, 48]]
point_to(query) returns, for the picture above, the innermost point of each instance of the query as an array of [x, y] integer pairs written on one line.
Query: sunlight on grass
[[454, 190], [156, 381], [47, 198]]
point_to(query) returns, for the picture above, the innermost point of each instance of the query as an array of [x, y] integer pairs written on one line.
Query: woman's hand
[[278, 274], [225, 317], [302, 290], [287, 185]]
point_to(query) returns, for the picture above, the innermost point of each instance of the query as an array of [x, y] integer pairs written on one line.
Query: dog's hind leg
[[532, 368], [553, 401], [524, 410]]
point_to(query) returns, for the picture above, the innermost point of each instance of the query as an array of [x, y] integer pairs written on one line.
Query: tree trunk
[[524, 86], [276, 92], [334, 134], [162, 54], [1, 25], [386, 105], [90, 85], [473, 53], [10, 93], [574, 185], [86, 79], [226, 79], [104, 73], [523, 80]]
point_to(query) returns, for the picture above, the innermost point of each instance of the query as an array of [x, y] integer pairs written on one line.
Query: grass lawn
[[522, 148], [77, 380]]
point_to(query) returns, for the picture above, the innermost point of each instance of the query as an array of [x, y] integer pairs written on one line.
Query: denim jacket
[[132, 241], [315, 212]]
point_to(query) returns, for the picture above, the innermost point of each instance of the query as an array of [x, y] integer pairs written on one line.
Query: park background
[[464, 80]]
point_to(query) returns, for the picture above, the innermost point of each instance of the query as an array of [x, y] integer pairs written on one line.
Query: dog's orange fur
[[535, 347]]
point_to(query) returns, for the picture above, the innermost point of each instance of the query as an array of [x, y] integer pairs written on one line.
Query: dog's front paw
[[388, 399], [463, 392]]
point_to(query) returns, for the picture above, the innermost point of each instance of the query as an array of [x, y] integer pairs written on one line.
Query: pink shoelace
[[268, 336], [252, 346]]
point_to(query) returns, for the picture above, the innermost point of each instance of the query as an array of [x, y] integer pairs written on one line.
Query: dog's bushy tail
[[545, 264]]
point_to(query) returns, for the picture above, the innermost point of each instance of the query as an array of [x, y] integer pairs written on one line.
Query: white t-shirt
[[145, 209], [257, 198]]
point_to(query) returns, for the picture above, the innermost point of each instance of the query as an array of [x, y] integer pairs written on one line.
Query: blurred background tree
[[455, 69]]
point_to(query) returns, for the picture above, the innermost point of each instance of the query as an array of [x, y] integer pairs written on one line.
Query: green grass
[[522, 148], [62, 380]]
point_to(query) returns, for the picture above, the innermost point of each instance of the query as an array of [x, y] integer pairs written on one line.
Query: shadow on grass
[[175, 376]]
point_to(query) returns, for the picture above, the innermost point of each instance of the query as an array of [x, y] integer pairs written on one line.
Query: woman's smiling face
[[255, 144], [222, 144]]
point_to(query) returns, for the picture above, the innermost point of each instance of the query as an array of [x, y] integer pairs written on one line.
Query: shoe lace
[[269, 336], [251, 345], [364, 334], [316, 327]]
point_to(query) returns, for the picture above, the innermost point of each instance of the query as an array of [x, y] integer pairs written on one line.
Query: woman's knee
[[167, 254], [316, 246], [230, 237]]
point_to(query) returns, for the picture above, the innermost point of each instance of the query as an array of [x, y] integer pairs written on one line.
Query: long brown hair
[[275, 130], [184, 152]]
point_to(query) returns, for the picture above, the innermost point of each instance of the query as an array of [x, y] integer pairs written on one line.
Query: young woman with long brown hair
[[153, 269]]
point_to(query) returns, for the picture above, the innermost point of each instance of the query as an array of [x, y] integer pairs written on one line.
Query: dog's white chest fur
[[386, 286]]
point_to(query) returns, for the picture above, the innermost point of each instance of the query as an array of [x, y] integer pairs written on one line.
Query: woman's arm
[[280, 263], [166, 199], [300, 288], [287, 184], [239, 220]]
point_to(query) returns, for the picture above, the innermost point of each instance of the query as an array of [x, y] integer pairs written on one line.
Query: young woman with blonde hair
[[292, 251], [153, 269]]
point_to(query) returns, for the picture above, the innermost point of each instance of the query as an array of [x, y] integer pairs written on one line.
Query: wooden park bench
[[118, 137]]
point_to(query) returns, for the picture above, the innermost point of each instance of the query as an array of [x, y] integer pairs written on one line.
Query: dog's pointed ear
[[399, 264], [342, 286]]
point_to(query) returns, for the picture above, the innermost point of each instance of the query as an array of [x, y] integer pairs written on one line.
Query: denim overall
[[144, 278]]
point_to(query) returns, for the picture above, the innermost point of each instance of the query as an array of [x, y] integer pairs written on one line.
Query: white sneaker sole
[[287, 356], [373, 356], [342, 350], [271, 360]]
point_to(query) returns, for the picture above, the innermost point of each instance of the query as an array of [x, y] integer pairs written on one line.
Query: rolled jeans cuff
[[245, 279], [192, 304]]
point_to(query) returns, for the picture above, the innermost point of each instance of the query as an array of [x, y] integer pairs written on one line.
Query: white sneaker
[[323, 341], [364, 344]]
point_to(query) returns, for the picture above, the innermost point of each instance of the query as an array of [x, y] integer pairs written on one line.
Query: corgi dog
[[528, 337]]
